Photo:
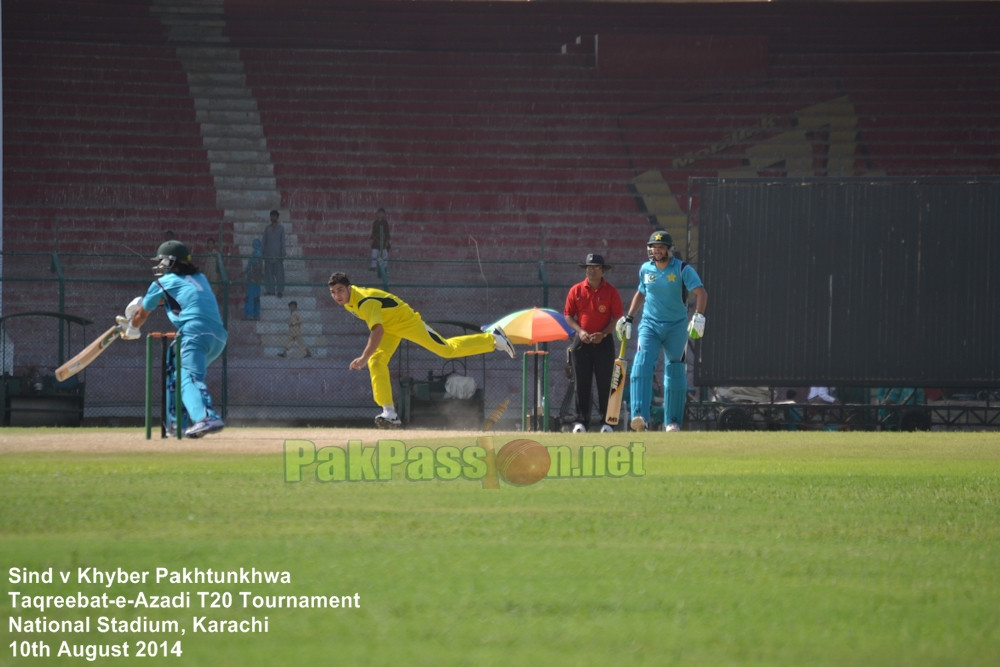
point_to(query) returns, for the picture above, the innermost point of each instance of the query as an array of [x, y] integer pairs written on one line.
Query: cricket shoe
[[579, 428], [502, 342], [672, 427], [607, 429], [206, 425], [638, 424], [388, 420]]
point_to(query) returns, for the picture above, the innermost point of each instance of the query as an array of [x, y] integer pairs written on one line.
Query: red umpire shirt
[[593, 308]]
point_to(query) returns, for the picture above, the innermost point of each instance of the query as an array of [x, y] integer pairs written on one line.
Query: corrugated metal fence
[[867, 282]]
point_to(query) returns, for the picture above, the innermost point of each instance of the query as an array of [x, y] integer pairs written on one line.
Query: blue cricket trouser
[[671, 337], [198, 350]]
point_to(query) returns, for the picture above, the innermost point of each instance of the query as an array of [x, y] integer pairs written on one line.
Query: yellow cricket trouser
[[417, 332]]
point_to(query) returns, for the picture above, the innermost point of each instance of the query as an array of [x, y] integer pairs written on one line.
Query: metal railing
[[251, 383]]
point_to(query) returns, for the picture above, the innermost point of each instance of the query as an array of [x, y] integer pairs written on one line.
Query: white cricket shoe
[[206, 425], [502, 342], [388, 420], [607, 429], [579, 428], [671, 427], [638, 424]]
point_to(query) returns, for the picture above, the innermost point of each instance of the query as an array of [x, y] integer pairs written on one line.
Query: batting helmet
[[660, 237], [168, 255]]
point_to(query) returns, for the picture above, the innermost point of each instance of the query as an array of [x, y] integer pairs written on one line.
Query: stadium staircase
[[239, 160]]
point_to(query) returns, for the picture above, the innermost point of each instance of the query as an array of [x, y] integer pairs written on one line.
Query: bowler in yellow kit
[[391, 320]]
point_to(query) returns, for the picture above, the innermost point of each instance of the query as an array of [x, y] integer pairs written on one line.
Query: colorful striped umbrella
[[533, 325]]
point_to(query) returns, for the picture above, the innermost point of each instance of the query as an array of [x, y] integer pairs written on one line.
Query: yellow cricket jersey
[[375, 306]]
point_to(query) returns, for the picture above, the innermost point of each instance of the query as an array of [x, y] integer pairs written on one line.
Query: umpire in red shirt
[[593, 306]]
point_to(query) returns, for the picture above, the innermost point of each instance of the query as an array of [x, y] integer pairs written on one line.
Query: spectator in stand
[[274, 257], [295, 338], [254, 274], [379, 238], [210, 267]]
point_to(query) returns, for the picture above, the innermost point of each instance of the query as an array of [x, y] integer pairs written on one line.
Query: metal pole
[[164, 350], [149, 386], [177, 386], [545, 394], [524, 392]]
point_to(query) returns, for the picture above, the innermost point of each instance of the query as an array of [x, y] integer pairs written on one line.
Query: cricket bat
[[617, 387], [88, 354]]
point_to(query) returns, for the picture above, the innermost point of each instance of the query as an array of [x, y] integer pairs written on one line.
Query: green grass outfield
[[721, 549]]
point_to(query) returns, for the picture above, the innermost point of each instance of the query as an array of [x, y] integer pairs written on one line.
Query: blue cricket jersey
[[662, 289], [193, 294]]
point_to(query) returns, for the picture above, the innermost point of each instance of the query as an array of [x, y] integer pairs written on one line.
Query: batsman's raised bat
[[88, 354], [617, 387]]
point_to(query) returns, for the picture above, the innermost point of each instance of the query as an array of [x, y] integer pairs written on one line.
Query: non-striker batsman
[[193, 309], [663, 280]]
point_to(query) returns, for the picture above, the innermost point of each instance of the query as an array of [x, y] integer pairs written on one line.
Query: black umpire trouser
[[592, 362]]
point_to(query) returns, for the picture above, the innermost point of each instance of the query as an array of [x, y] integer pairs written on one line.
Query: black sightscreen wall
[[850, 282]]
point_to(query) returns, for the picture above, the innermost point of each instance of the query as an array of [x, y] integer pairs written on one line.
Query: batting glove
[[128, 332], [623, 329], [132, 307], [696, 327]]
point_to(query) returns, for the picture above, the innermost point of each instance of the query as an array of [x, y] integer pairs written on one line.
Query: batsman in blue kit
[[191, 307], [664, 282]]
